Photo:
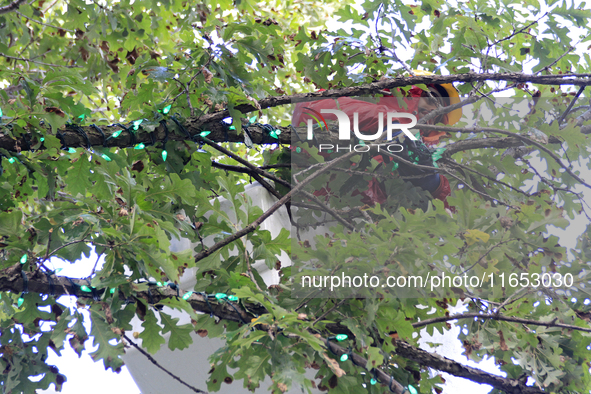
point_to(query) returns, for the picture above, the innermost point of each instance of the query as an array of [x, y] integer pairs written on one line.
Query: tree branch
[[11, 7], [523, 138], [494, 316], [212, 122], [44, 24], [252, 226], [444, 364], [153, 361], [11, 280], [36, 62]]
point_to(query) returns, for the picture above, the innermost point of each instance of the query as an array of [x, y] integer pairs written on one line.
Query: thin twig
[[153, 361], [452, 163], [44, 24], [494, 316], [486, 254], [570, 106], [510, 299], [518, 31], [96, 263], [36, 62], [246, 163], [253, 226], [508, 133], [65, 245], [335, 306], [329, 210]]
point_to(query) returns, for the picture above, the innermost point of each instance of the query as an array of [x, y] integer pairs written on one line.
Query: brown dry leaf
[[113, 64], [84, 53], [502, 342], [333, 365], [131, 56], [282, 387], [55, 110], [137, 166], [208, 75]]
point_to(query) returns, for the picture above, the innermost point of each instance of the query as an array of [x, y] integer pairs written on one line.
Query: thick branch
[[444, 364], [220, 133], [11, 280]]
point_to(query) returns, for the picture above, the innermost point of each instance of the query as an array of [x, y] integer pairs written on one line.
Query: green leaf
[[10, 223], [151, 338], [180, 336], [110, 354]]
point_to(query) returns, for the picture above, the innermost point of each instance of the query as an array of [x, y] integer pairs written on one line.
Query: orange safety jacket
[[368, 121]]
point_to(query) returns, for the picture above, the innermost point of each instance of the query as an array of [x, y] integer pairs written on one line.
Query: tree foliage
[[112, 137]]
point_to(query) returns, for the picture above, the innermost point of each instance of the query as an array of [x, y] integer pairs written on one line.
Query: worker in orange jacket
[[418, 102]]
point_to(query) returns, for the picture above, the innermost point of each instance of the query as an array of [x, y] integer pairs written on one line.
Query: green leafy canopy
[[68, 65]]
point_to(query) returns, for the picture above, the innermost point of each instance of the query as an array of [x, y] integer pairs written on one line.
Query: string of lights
[[84, 289]]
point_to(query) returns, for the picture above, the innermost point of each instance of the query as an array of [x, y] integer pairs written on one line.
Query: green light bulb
[[373, 381], [232, 128], [411, 389], [361, 142], [24, 259], [42, 139], [137, 123], [205, 133], [85, 289], [20, 301], [11, 159], [164, 155], [277, 131], [341, 337], [81, 117], [187, 295], [117, 133], [253, 119], [329, 151], [139, 146], [273, 134], [159, 284], [107, 158], [0, 112], [344, 357], [395, 167], [298, 150], [232, 298], [220, 296], [112, 291], [166, 109], [71, 150]]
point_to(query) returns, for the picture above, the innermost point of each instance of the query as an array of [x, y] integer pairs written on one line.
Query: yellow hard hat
[[454, 97]]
